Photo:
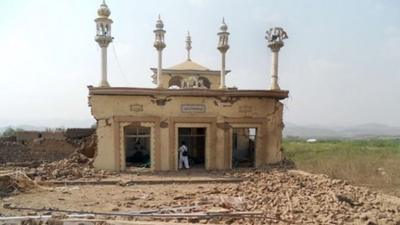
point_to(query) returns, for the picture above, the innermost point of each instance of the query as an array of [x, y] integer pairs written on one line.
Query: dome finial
[[103, 11], [223, 26], [188, 45], [159, 23]]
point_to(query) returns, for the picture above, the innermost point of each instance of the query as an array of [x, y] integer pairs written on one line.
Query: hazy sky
[[341, 62]]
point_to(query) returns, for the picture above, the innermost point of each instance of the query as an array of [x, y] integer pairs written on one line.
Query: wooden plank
[[149, 214]]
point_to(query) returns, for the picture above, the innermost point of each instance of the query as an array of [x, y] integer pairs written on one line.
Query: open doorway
[[195, 140], [243, 147], [137, 146]]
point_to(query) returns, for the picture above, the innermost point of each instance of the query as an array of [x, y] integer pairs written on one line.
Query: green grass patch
[[374, 163]]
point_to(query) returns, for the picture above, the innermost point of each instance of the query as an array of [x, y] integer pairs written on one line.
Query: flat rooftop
[[190, 92]]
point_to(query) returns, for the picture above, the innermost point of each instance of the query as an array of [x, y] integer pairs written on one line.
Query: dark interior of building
[[243, 147], [137, 146], [195, 140]]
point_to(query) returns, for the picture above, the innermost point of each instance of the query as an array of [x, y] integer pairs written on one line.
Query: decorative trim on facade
[[135, 124], [226, 101], [159, 100], [164, 124], [136, 107], [224, 126]]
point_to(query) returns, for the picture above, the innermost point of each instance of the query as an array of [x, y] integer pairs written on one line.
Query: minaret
[[104, 38], [159, 44], [188, 45], [223, 48], [275, 37]]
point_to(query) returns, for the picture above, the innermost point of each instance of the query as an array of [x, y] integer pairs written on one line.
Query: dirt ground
[[283, 196], [279, 194], [107, 198]]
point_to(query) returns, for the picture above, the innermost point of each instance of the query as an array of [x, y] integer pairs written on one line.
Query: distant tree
[[59, 129], [55, 129], [9, 132]]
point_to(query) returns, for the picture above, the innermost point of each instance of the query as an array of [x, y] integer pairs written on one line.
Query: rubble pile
[[307, 199], [53, 159], [290, 197], [15, 182], [88, 146], [79, 133], [75, 167]]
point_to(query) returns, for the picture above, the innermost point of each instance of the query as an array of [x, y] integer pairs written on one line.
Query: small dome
[[103, 11], [223, 26], [159, 24]]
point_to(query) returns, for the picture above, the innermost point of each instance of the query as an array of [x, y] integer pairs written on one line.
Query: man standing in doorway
[[183, 156]]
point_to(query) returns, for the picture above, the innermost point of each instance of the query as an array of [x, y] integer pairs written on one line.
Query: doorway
[[137, 146], [195, 140], [243, 147]]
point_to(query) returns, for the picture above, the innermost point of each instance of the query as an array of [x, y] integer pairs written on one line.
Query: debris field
[[277, 195], [282, 196]]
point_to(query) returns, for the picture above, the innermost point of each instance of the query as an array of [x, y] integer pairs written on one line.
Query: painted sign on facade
[[193, 108]]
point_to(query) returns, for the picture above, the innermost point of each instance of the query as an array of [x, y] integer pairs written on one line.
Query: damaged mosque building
[[222, 127]]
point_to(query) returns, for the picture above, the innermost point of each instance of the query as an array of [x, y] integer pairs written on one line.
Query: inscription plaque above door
[[193, 108]]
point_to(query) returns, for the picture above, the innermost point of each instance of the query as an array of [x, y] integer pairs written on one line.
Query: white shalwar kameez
[[183, 160]]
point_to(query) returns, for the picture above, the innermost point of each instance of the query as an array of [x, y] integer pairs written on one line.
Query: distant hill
[[360, 131], [370, 130], [49, 123], [23, 127], [34, 128]]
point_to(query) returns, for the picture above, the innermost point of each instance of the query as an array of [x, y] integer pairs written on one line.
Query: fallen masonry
[[76, 166], [281, 195]]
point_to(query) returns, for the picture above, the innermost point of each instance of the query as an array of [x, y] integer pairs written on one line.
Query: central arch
[[175, 81]]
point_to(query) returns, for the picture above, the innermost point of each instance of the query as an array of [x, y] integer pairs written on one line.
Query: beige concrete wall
[[31, 135], [104, 106], [274, 134], [57, 135], [220, 116], [26, 135], [165, 151], [105, 157]]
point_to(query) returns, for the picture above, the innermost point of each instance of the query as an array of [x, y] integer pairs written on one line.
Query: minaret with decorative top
[[275, 37], [188, 45], [159, 44], [223, 47], [104, 38]]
